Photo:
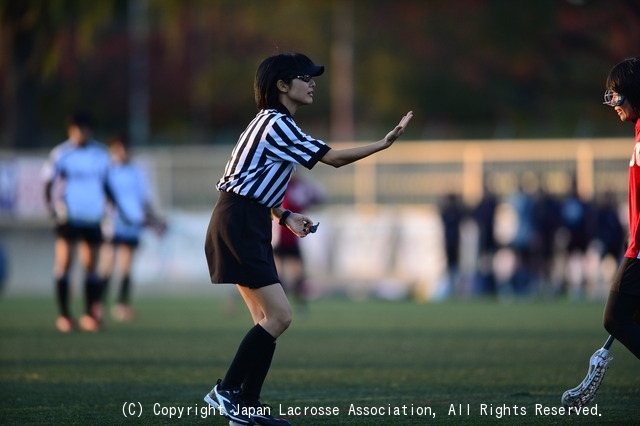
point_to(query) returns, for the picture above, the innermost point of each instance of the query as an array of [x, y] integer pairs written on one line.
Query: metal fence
[[409, 173]]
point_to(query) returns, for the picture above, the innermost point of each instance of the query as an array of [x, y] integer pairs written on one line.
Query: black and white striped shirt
[[266, 155]]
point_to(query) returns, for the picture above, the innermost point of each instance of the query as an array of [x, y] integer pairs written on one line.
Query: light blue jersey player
[[76, 192], [130, 188]]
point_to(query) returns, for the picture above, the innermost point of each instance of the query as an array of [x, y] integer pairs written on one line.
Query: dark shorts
[[238, 243], [132, 242], [627, 278], [91, 233]]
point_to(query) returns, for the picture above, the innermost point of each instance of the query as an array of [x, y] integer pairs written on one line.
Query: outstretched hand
[[399, 129]]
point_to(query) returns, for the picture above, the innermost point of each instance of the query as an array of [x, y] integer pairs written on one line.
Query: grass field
[[425, 359]]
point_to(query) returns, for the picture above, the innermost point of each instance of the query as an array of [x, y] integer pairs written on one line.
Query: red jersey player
[[300, 195], [622, 311]]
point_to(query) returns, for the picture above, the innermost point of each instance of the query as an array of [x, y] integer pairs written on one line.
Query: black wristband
[[283, 218]]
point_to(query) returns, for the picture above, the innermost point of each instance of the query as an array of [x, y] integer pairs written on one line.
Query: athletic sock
[[62, 295], [256, 376], [256, 346], [104, 288], [92, 292], [125, 287], [298, 290]]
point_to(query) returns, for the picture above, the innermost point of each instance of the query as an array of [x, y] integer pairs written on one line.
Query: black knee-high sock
[[92, 291], [62, 295], [125, 287], [256, 346], [256, 376], [104, 288], [298, 287]]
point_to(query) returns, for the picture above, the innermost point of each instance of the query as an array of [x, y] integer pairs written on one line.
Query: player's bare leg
[[88, 254], [122, 310], [272, 302]]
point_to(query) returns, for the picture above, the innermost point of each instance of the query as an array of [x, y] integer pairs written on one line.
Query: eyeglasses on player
[[613, 99]]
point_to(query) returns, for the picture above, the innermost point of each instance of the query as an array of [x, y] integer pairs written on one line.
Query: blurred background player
[[452, 213], [301, 194], [75, 177], [130, 188], [484, 215]]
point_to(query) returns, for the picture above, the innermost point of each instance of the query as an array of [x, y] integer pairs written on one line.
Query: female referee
[[238, 241], [622, 311]]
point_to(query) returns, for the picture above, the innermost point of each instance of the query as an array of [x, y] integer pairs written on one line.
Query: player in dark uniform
[[622, 311], [238, 241], [75, 194]]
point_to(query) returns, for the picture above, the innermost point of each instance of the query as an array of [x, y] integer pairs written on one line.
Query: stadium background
[[381, 233], [498, 89], [501, 90]]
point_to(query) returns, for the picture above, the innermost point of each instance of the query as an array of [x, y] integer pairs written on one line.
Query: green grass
[[343, 354]]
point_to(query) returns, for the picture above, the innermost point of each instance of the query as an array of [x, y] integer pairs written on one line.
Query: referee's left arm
[[342, 157]]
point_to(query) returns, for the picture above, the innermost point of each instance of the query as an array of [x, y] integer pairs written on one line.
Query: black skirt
[[238, 243]]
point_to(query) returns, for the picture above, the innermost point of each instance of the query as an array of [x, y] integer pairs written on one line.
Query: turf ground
[[423, 363]]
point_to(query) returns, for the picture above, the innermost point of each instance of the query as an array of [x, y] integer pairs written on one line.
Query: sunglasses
[[305, 78], [613, 99]]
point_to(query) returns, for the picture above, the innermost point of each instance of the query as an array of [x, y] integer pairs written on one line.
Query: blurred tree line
[[181, 72]]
